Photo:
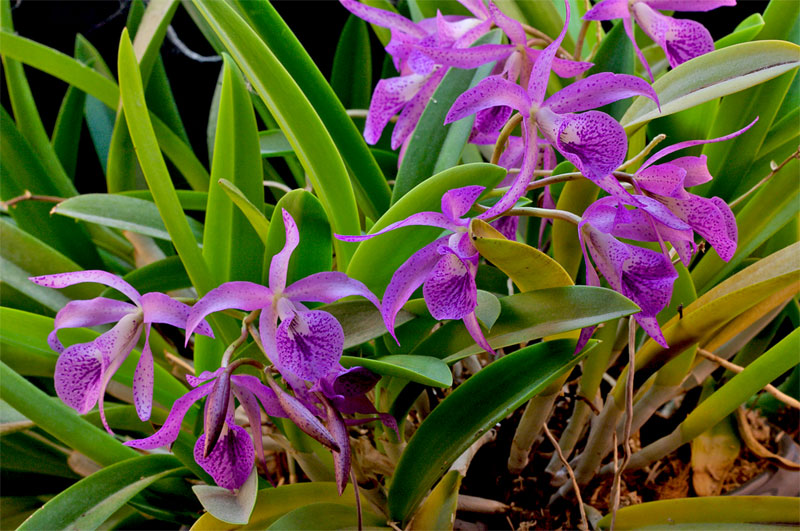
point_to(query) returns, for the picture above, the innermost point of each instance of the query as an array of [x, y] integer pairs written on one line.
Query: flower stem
[[643, 153], [775, 169], [502, 138], [250, 318]]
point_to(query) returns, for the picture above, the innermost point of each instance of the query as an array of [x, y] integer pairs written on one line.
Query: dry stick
[[28, 196], [786, 399], [775, 169], [628, 416], [502, 138], [615, 486], [554, 442]]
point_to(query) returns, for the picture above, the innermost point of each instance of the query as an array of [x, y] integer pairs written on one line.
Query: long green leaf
[[297, 118], [712, 75], [67, 131], [351, 76], [91, 501], [325, 516], [425, 370], [255, 216], [469, 411]]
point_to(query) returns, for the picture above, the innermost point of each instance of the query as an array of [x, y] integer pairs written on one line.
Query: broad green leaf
[[255, 216], [371, 188], [468, 412], [361, 320], [746, 31], [232, 506], [351, 76], [438, 511], [67, 131], [273, 143], [377, 259], [23, 452], [615, 54], [313, 254], [488, 309], [528, 316], [21, 170], [297, 118], [163, 275], [784, 130], [714, 451], [529, 268], [155, 170], [59, 420], [712, 75], [91, 501], [99, 117], [769, 209], [425, 370], [271, 504], [323, 516], [575, 197], [123, 213], [18, 292], [721, 512], [189, 199], [435, 147]]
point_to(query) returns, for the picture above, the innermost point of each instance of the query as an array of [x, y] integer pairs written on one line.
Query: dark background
[[316, 23]]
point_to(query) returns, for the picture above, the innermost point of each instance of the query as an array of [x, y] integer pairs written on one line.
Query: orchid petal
[[681, 39], [662, 179], [511, 158], [710, 218], [688, 5], [161, 308], [78, 376], [355, 381], [303, 418], [267, 326], [204, 377], [608, 10], [476, 7], [407, 279], [450, 290], [328, 287], [540, 73], [167, 434], [411, 113], [474, 328], [598, 90], [231, 460], [696, 169], [457, 202], [385, 19], [390, 95], [250, 405], [488, 122], [467, 57], [627, 23], [240, 294], [279, 265], [310, 344], [507, 226], [341, 459], [510, 27], [63, 280], [92, 312], [426, 219], [562, 67], [143, 379], [264, 394], [492, 91]]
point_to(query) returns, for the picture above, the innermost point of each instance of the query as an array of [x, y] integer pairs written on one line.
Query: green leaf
[[162, 275], [370, 185], [435, 147], [351, 76], [728, 512], [91, 501], [271, 504], [469, 411], [425, 370], [361, 320], [615, 54], [377, 259], [298, 120], [123, 213], [273, 143], [712, 75], [59, 420], [323, 516], [18, 291], [67, 131], [488, 309], [313, 253], [438, 511], [255, 216], [189, 199], [746, 31], [155, 170], [528, 316], [544, 16], [528, 267], [575, 197]]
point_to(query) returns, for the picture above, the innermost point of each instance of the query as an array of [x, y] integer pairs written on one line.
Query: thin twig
[[775, 169], [542, 35], [536, 213], [28, 196], [774, 391], [172, 36], [354, 481], [502, 138], [246, 322], [615, 485], [584, 521], [643, 153]]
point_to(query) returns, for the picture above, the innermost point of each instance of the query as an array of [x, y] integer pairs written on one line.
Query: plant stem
[[502, 138], [643, 153], [584, 522], [28, 196], [775, 169], [246, 322]]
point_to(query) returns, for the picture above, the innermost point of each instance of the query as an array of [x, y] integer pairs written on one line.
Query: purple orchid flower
[[419, 75], [83, 370], [680, 39], [445, 268], [308, 343], [593, 141]]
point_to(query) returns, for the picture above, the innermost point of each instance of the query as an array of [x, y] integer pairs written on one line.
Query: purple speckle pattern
[[341, 458], [309, 344], [161, 308], [264, 394], [450, 291], [279, 265], [327, 287], [231, 460], [143, 378], [457, 202], [681, 39], [242, 295], [78, 376], [490, 92], [608, 10], [355, 381], [598, 90], [427, 219], [92, 312], [540, 73], [63, 280]]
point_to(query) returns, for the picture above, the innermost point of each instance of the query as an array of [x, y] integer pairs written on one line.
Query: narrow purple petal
[[143, 380], [564, 67], [512, 157], [310, 344], [608, 10], [710, 218], [407, 279], [390, 95], [267, 326], [627, 23], [264, 394], [161, 308], [540, 73], [681, 39], [63, 280], [303, 418], [476, 7], [457, 202], [490, 92], [328, 287], [231, 460], [204, 377], [92, 312], [467, 57], [688, 5], [474, 329], [510, 27], [167, 434], [355, 381], [598, 90], [280, 262], [450, 291], [239, 294], [253, 412], [696, 169], [341, 459], [488, 123], [426, 219], [507, 226], [385, 19], [411, 113], [219, 405]]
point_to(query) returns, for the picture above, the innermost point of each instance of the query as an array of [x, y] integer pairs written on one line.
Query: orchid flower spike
[[593, 141], [83, 370], [308, 343], [445, 268], [680, 39]]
